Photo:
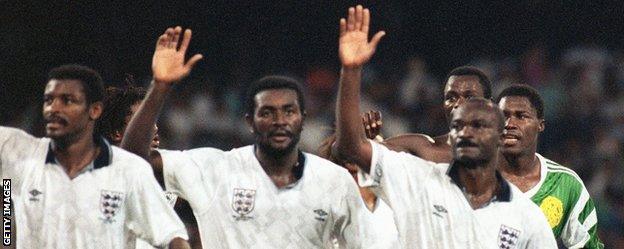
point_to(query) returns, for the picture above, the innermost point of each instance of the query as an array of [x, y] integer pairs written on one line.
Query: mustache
[[56, 119], [465, 143]]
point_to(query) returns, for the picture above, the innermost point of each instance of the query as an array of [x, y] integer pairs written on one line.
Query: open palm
[[168, 62], [354, 49]]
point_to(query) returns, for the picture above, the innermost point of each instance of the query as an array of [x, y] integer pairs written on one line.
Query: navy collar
[[298, 169], [103, 159], [503, 193]]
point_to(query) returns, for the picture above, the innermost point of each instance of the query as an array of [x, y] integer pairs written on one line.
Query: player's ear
[[95, 110], [542, 125], [249, 121]]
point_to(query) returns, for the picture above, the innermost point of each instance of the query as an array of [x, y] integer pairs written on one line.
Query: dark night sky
[[243, 40]]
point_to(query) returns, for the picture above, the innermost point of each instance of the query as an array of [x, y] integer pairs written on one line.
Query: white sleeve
[[192, 175], [15, 147], [347, 228], [149, 215], [395, 175]]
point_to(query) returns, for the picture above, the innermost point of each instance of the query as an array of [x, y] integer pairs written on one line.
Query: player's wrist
[[351, 68], [162, 85]]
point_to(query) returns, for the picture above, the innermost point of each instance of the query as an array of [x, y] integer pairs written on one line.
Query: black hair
[[91, 80], [272, 82], [528, 92], [117, 106], [484, 81]]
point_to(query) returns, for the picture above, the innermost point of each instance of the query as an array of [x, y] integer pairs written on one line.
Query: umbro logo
[[34, 195], [439, 210], [321, 215]]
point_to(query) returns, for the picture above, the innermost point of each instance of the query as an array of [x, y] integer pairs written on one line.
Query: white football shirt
[[115, 198], [379, 230], [514, 221], [142, 244], [431, 210], [237, 205]]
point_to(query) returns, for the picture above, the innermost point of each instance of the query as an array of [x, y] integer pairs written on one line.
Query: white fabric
[[429, 210], [521, 216], [54, 211], [237, 205], [379, 232], [171, 200], [432, 212]]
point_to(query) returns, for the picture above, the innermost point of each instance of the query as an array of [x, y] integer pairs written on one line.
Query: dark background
[[242, 40]]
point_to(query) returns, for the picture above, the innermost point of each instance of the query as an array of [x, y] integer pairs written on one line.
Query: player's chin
[[511, 150], [55, 133]]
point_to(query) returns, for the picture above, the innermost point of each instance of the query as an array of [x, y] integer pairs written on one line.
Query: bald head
[[483, 105]]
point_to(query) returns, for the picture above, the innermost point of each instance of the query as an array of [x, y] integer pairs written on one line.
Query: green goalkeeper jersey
[[565, 202]]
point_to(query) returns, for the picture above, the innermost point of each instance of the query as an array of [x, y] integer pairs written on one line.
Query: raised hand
[[168, 62], [354, 49], [372, 124]]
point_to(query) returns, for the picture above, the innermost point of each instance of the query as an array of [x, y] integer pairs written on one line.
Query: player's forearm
[[179, 243], [139, 133], [350, 134]]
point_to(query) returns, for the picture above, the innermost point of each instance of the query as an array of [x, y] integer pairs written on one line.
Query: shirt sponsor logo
[[243, 203], [439, 210], [321, 215], [508, 237], [110, 205], [34, 195]]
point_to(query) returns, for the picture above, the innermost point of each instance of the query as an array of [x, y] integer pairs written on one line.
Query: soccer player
[[73, 189], [119, 106], [266, 195], [466, 204], [377, 228], [557, 190], [462, 83]]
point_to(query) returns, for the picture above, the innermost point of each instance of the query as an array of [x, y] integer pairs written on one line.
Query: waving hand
[[354, 48], [168, 62]]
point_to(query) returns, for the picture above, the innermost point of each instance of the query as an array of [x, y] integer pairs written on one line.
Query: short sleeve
[[192, 175], [16, 148], [149, 214], [394, 175]]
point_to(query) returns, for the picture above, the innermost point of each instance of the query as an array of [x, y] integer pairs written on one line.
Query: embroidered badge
[[508, 237], [243, 203], [110, 204]]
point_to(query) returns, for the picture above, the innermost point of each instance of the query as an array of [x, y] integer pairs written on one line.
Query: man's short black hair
[[117, 105], [473, 71], [525, 91], [269, 83], [90, 79]]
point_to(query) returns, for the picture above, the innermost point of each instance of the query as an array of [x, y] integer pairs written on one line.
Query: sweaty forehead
[[470, 112], [276, 97], [464, 83], [65, 87]]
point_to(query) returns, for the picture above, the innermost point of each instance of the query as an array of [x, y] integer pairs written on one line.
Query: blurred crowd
[[582, 87]]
